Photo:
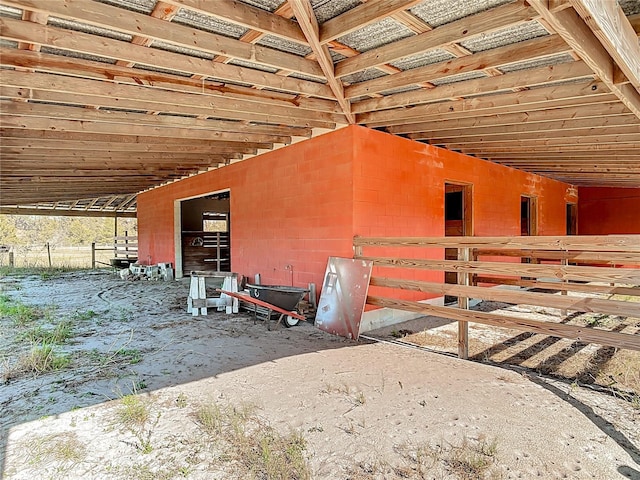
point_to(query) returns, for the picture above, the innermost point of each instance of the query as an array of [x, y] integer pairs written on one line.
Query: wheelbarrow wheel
[[290, 321]]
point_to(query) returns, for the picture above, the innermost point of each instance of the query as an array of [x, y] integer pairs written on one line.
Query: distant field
[[75, 257]]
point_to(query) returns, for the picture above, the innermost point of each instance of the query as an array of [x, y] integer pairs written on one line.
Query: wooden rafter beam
[[103, 71], [75, 113], [37, 123], [361, 16], [570, 26], [18, 30], [508, 81], [602, 113], [66, 212], [527, 50], [491, 20], [309, 25], [551, 127], [80, 91], [246, 16], [146, 28], [555, 96], [611, 27]]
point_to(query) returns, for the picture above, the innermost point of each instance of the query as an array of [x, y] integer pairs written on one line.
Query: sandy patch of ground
[[148, 391]]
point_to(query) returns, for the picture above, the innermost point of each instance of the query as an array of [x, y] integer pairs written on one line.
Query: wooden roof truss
[[103, 99]]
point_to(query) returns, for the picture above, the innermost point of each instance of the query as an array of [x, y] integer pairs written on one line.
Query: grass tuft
[[19, 313], [254, 448], [57, 335]]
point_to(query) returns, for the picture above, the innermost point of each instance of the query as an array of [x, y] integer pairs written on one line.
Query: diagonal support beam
[[303, 12], [579, 36], [609, 24]]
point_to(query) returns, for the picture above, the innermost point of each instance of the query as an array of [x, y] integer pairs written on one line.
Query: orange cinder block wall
[[294, 207], [399, 190], [290, 209], [608, 210]]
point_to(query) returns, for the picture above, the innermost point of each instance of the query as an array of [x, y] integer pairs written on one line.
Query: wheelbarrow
[[277, 298]]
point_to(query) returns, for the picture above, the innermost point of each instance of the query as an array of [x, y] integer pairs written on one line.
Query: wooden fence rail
[[586, 264]]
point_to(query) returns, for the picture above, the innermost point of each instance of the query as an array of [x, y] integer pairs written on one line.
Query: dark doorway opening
[[206, 233], [528, 216], [572, 219], [458, 222]]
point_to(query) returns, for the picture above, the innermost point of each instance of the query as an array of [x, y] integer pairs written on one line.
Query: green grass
[[45, 273], [134, 414], [83, 316], [41, 359], [19, 313], [252, 446], [57, 335]]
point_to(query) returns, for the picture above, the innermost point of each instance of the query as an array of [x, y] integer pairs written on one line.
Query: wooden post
[[93, 255], [49, 253], [11, 259], [464, 255], [564, 311]]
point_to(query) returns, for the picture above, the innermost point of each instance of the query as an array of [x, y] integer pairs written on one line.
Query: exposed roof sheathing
[[102, 99]]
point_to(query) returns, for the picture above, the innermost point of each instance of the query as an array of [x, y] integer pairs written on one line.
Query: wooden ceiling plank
[[36, 123], [619, 140], [459, 30], [75, 113], [614, 121], [605, 113], [611, 27], [579, 36], [309, 25], [134, 76], [75, 41], [508, 135], [582, 93], [523, 78], [227, 120], [246, 16], [527, 50], [152, 27], [361, 16], [149, 98], [127, 147]]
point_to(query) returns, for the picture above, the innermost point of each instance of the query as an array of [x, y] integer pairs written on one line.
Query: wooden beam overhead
[[554, 96], [584, 42], [303, 11], [246, 16], [80, 42], [611, 27], [361, 16], [99, 100], [488, 21], [149, 27], [134, 76], [506, 82], [527, 50]]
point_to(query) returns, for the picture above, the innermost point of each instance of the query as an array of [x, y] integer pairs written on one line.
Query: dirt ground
[[133, 387]]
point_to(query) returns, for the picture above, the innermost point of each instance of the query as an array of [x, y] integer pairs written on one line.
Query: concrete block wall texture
[[294, 207], [290, 210], [608, 210], [399, 190]]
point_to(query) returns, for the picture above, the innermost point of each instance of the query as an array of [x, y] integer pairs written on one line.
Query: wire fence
[[48, 255]]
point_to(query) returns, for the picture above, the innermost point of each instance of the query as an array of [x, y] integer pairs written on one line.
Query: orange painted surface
[[399, 188], [290, 210], [296, 206], [607, 210]]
